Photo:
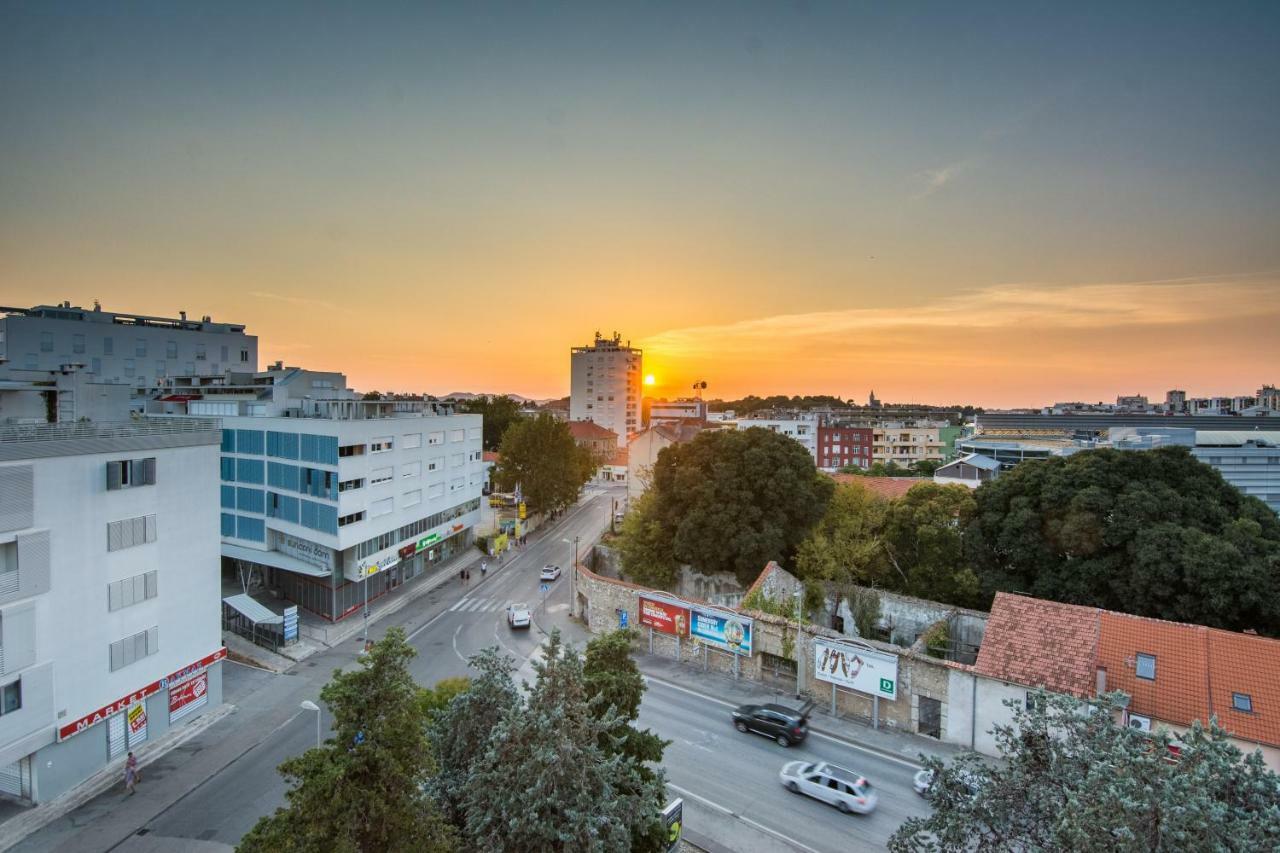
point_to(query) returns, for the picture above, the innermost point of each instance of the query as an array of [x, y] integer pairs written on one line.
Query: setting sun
[[649, 380]]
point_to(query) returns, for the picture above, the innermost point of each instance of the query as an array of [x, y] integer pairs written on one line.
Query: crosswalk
[[480, 605]]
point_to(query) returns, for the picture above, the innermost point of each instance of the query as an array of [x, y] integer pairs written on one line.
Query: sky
[[1000, 204]]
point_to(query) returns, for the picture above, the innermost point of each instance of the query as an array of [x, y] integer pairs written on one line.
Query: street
[[729, 780]]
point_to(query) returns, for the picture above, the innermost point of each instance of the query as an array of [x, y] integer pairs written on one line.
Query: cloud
[[292, 300], [936, 179]]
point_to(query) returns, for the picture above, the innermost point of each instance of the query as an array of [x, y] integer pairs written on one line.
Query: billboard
[[721, 629], [856, 668], [664, 616]]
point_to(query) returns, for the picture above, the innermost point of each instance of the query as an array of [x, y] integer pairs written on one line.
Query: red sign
[[408, 550], [188, 691], [664, 616], [139, 695]]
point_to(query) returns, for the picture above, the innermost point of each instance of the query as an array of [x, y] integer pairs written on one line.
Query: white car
[[550, 573], [519, 616], [924, 781], [842, 788]]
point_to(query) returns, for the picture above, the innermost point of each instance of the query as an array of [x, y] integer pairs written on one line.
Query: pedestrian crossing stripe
[[479, 605]]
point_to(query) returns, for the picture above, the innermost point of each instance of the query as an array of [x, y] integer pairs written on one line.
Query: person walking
[[484, 568], [131, 774]]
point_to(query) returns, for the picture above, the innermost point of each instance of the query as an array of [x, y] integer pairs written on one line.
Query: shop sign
[[408, 551], [856, 668], [308, 552], [458, 527], [137, 696], [372, 568], [664, 616], [187, 693], [137, 717], [721, 629], [427, 541]]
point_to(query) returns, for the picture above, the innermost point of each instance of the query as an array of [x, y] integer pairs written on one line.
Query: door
[[930, 717], [765, 723], [15, 778], [115, 735]]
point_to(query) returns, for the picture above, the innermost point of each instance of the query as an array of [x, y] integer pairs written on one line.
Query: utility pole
[[799, 642], [366, 608]]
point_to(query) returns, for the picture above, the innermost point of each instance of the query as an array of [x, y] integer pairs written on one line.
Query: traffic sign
[[543, 587]]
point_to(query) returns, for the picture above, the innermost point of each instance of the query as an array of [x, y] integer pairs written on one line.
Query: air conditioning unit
[[1139, 722]]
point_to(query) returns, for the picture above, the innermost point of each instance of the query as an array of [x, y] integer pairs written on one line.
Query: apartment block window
[[433, 464], [223, 353], [411, 440], [1146, 666], [129, 532], [435, 438], [77, 344], [351, 450], [380, 475], [46, 342], [131, 591], [134, 648], [201, 354], [171, 349], [244, 355], [11, 697], [129, 367], [382, 507], [128, 473], [380, 445], [412, 498], [457, 435], [160, 368], [108, 346], [410, 469], [1242, 702], [140, 348], [350, 485], [343, 521]]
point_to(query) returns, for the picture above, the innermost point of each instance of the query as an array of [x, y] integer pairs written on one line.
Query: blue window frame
[[252, 529], [282, 444], [228, 497], [228, 465], [228, 525], [250, 500], [319, 448], [319, 517], [249, 471], [228, 441], [249, 441], [282, 476], [283, 507]]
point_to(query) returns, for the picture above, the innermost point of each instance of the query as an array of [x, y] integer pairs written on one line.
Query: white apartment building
[[663, 411], [801, 428], [126, 349], [328, 498], [110, 631], [605, 385]]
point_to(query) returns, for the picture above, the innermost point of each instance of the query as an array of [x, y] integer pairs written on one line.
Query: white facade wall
[[803, 431], [58, 640], [605, 386]]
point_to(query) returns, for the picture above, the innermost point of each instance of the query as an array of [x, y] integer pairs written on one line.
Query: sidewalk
[[721, 687]]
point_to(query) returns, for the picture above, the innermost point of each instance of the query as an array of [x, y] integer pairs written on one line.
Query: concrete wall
[[907, 618]]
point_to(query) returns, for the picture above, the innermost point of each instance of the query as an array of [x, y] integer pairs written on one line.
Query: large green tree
[[364, 791], [1069, 780], [846, 549], [1155, 533], [499, 413], [923, 537], [733, 500], [543, 782], [541, 456], [645, 545]]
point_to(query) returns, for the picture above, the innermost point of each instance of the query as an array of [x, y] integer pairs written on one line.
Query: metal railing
[[106, 429]]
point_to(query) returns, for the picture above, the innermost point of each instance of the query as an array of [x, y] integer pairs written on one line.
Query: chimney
[[183, 315]]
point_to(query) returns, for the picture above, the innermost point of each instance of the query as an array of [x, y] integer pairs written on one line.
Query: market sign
[[856, 668], [137, 696], [664, 616], [427, 541], [721, 629]]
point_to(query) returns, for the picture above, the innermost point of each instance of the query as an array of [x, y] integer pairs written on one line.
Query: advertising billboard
[[664, 616], [874, 673], [721, 629]]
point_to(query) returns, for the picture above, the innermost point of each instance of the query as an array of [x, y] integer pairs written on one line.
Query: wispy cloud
[[934, 180], [292, 300]]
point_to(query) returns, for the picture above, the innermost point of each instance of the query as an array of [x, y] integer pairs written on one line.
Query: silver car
[[842, 788]]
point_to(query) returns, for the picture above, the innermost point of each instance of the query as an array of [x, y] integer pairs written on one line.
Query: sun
[[649, 379]]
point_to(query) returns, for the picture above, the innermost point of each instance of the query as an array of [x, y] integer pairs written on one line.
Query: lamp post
[[799, 641], [308, 705]]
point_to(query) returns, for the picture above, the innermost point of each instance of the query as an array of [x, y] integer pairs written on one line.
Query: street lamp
[[308, 705], [797, 594]]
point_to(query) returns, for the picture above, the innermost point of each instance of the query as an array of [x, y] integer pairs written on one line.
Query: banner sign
[[291, 623], [721, 629], [137, 716], [121, 704], [856, 668], [664, 616], [188, 696], [308, 552]]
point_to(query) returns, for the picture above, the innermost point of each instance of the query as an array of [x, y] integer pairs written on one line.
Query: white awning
[[275, 560], [257, 613]]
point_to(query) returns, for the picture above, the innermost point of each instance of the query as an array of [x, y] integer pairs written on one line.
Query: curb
[[18, 828]]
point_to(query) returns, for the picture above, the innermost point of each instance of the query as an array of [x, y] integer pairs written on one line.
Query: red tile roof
[[1242, 663], [490, 456], [1180, 691], [619, 458], [1040, 644], [586, 430], [888, 488]]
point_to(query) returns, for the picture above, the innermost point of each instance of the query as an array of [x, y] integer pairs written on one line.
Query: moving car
[[842, 788], [783, 724], [924, 781], [550, 573], [519, 616]]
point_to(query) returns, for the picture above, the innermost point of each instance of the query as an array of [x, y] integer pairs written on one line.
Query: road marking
[[505, 647], [458, 604], [425, 625], [888, 756], [455, 645], [785, 839]]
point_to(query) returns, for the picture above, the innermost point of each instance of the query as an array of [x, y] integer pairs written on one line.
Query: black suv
[[785, 725]]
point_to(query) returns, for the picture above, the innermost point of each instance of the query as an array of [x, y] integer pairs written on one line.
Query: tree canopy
[[1155, 533], [541, 455], [499, 413], [730, 500], [1070, 780]]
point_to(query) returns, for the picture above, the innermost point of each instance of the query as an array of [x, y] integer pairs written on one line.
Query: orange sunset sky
[[965, 207]]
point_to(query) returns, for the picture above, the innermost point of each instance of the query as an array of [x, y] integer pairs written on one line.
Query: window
[[456, 460], [228, 525], [283, 476], [283, 507], [318, 517], [11, 697], [129, 368], [171, 349], [244, 355], [134, 648], [140, 348], [131, 591], [1242, 702], [250, 441], [201, 354], [351, 450], [108, 346], [412, 498], [411, 440], [160, 368], [380, 475], [46, 342], [380, 445], [77, 344], [351, 519], [410, 469], [253, 529], [434, 464], [319, 448], [223, 353], [1146, 666], [228, 500], [129, 532], [382, 507], [128, 473], [249, 471], [250, 500], [282, 444], [349, 485], [457, 435], [435, 438]]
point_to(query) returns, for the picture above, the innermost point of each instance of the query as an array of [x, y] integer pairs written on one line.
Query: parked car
[[550, 573], [783, 724], [519, 616], [842, 788]]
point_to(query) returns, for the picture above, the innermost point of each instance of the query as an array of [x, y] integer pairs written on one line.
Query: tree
[[543, 783], [645, 546], [845, 549], [433, 700], [460, 732], [499, 413], [1155, 533], [923, 538], [926, 467], [734, 500], [1078, 781], [365, 789], [541, 456]]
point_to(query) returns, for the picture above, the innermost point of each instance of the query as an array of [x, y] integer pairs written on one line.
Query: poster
[[856, 668], [721, 629], [137, 716], [664, 616], [188, 696]]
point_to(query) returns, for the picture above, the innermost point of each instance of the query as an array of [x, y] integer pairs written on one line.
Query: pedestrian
[[484, 567], [462, 577], [131, 774]]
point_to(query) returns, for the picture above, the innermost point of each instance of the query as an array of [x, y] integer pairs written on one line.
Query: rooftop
[[1040, 643], [590, 431], [889, 488]]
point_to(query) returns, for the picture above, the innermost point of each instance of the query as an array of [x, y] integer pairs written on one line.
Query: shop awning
[[275, 560], [255, 612]]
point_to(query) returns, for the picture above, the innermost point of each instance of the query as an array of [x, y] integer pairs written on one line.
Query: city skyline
[[993, 205]]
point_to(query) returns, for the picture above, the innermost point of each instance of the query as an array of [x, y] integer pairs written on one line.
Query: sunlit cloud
[[292, 300]]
